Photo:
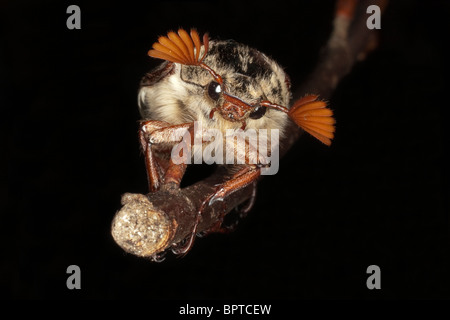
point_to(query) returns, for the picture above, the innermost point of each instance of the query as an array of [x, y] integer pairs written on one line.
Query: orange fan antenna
[[313, 116], [184, 49], [180, 47], [310, 114]]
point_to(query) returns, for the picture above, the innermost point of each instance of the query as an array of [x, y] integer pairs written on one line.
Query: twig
[[147, 225]]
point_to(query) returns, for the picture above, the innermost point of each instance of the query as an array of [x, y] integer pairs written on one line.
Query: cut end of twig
[[141, 229]]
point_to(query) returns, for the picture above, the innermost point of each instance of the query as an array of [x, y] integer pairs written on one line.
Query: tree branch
[[149, 224]]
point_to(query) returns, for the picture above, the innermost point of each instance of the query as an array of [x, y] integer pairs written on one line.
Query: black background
[[378, 196]]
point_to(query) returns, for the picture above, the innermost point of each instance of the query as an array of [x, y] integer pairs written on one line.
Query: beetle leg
[[174, 175], [151, 165], [247, 175], [249, 204], [154, 132], [242, 213]]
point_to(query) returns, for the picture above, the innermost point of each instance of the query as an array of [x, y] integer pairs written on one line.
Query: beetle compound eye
[[258, 113], [214, 90]]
